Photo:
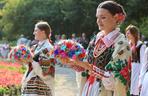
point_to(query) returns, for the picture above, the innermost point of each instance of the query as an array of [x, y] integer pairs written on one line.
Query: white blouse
[[144, 67]]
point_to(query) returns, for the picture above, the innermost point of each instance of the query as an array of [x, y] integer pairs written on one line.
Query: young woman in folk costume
[[137, 59], [39, 78], [143, 82], [107, 55]]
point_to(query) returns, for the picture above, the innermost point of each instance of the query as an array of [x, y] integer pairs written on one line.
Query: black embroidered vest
[[136, 55], [102, 60]]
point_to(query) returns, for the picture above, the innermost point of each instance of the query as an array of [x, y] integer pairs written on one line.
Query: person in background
[[57, 38], [138, 48], [63, 37], [83, 40], [144, 76], [39, 77], [73, 37], [22, 40], [4, 50]]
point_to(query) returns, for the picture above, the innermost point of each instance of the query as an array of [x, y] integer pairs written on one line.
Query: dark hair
[[112, 7], [44, 26], [134, 31]]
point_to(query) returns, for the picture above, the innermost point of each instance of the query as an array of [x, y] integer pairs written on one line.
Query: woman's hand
[[85, 65], [95, 75], [66, 60], [77, 62]]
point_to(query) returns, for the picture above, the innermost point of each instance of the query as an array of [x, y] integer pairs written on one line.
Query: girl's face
[[129, 35], [105, 20], [39, 34]]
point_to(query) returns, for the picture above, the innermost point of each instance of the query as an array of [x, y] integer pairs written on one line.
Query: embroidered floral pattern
[[101, 60], [47, 63], [120, 70]]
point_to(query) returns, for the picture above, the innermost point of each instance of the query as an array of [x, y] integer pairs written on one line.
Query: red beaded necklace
[[99, 48]]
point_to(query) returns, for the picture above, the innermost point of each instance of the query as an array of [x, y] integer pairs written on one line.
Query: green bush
[[143, 27], [10, 91], [12, 43]]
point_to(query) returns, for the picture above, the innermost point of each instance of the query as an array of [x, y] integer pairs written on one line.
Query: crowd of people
[[116, 63]]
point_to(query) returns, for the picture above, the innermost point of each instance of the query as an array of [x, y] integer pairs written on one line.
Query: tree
[[20, 17], [64, 16]]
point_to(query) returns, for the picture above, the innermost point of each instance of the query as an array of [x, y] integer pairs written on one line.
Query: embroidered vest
[[102, 60], [136, 55]]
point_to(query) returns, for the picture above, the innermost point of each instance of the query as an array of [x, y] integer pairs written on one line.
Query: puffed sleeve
[[119, 67], [144, 67], [142, 51]]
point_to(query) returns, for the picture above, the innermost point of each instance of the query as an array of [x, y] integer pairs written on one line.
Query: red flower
[[23, 52], [82, 55], [91, 79], [69, 44], [121, 17], [10, 77], [125, 73]]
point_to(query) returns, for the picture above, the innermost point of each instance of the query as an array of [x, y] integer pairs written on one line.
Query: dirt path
[[65, 82]]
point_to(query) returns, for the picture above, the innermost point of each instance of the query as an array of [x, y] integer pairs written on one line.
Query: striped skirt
[[37, 87]]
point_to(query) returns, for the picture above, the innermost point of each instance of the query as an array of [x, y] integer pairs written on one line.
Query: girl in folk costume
[[107, 55], [39, 78], [137, 58], [143, 82]]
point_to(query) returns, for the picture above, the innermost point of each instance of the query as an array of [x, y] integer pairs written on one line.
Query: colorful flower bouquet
[[20, 53], [70, 49]]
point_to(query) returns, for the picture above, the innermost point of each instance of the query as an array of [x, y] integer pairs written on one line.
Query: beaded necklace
[[99, 48], [102, 45]]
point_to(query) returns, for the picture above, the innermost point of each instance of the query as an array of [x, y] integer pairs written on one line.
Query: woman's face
[[129, 35], [105, 20], [39, 34]]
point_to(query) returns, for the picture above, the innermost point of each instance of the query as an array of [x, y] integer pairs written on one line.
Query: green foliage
[[11, 91], [19, 18], [137, 9], [81, 16], [143, 27], [64, 16], [9, 11]]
